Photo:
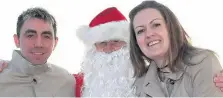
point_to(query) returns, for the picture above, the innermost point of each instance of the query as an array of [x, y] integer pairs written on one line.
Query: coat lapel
[[152, 85], [178, 78]]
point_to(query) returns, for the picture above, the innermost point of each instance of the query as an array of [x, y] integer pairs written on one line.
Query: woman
[[176, 68]]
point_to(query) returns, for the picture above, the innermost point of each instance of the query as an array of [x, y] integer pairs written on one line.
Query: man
[[107, 69], [28, 74]]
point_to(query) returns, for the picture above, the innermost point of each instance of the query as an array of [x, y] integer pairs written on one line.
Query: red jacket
[[79, 83]]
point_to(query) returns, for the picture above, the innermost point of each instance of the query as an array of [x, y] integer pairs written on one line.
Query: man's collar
[[21, 65]]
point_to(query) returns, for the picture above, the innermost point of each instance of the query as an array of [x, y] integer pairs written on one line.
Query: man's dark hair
[[38, 13]]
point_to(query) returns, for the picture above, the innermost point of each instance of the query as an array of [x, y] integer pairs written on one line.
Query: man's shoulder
[[55, 69]]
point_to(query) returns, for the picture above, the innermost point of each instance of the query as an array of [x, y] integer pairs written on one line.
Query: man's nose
[[111, 44], [107, 48], [38, 42]]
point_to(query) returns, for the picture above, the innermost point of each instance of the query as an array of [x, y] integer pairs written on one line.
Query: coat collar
[[152, 84], [169, 74], [20, 65]]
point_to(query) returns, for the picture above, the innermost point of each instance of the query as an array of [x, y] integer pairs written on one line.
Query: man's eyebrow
[[47, 32], [30, 31]]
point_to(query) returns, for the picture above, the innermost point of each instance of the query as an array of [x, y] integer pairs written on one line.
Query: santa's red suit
[[102, 74], [79, 83]]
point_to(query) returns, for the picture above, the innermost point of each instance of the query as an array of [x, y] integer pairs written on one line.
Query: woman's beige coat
[[195, 81]]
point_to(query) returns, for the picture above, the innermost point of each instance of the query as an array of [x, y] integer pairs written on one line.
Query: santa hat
[[110, 24]]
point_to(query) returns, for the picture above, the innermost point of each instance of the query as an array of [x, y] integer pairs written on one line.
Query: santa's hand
[[3, 65], [218, 79]]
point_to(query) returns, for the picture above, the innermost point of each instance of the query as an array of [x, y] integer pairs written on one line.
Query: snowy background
[[202, 19]]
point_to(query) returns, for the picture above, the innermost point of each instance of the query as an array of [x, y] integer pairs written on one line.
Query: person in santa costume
[[106, 70]]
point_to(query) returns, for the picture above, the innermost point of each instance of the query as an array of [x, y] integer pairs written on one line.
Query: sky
[[202, 20]]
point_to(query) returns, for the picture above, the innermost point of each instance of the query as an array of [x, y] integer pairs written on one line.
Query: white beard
[[108, 75]]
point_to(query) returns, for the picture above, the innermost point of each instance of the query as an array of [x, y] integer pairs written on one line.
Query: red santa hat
[[110, 24]]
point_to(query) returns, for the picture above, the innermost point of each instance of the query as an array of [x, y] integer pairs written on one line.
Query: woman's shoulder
[[198, 56], [205, 66], [203, 61]]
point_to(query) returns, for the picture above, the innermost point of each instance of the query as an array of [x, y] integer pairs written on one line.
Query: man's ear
[[16, 40], [56, 41]]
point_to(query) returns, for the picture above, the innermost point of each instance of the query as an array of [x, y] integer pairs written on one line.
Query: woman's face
[[151, 33]]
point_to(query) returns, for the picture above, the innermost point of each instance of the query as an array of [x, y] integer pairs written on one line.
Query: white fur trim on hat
[[81, 32], [104, 32]]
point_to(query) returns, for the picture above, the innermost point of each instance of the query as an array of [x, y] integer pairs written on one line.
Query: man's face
[[37, 40], [109, 46]]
